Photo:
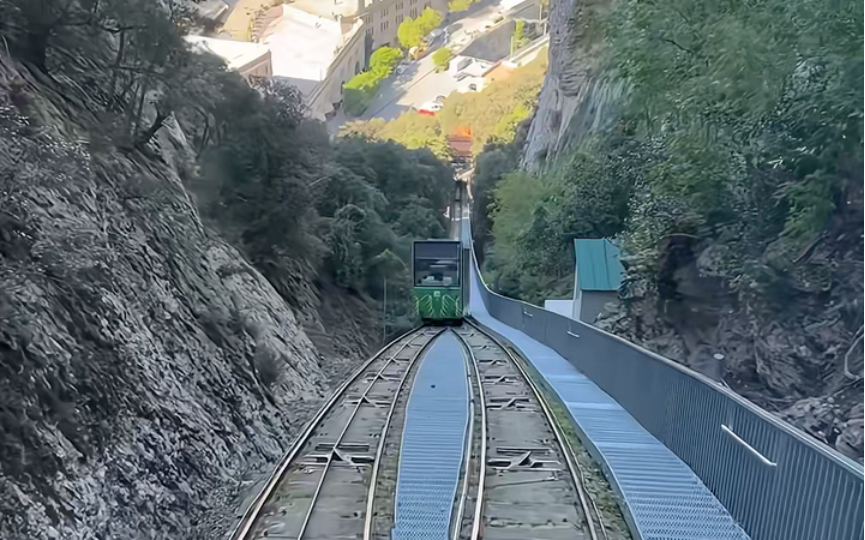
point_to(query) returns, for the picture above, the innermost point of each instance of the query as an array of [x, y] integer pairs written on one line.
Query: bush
[[442, 58]]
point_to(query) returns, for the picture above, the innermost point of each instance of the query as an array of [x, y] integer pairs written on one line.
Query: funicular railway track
[[524, 483], [319, 490], [518, 480]]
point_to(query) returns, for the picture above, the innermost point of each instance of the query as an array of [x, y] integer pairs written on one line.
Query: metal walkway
[[433, 443], [664, 497]]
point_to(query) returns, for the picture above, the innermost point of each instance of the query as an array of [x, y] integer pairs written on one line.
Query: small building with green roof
[[597, 277]]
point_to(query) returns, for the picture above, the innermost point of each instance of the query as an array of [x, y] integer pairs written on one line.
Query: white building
[[316, 54], [251, 60]]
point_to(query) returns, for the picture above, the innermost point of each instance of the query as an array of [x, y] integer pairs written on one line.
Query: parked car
[[473, 87], [430, 108], [461, 75], [440, 99]]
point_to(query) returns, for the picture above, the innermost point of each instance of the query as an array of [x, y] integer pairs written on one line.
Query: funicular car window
[[437, 273], [437, 264]]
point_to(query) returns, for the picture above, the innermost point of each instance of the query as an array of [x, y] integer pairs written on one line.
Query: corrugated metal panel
[[433, 443], [598, 265]]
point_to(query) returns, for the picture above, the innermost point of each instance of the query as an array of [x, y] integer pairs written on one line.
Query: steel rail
[[479, 501], [469, 440], [251, 514], [379, 452], [315, 495], [573, 467]]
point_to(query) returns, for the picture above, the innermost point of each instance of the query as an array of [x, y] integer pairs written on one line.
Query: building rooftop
[[235, 53], [328, 8], [239, 21], [303, 46], [598, 265]]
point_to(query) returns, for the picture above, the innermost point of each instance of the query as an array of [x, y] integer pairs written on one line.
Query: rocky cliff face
[[577, 97], [801, 360], [145, 366]]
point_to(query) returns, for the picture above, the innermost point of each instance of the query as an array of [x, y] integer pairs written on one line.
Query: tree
[[384, 60], [442, 58], [367, 129], [455, 6], [416, 131], [409, 34], [428, 20], [413, 32], [520, 38], [494, 113], [360, 90]]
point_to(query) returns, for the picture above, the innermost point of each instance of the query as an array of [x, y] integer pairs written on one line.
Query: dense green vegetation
[[350, 209], [741, 128], [266, 178], [361, 89], [411, 130], [413, 32], [491, 115]]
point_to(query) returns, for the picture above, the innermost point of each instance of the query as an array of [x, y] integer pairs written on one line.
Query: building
[[460, 144], [597, 277], [564, 307], [251, 60], [316, 54], [381, 18]]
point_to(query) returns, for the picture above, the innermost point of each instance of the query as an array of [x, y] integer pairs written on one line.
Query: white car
[[430, 108]]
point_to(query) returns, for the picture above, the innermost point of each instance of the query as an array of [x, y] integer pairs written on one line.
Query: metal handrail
[[763, 459]]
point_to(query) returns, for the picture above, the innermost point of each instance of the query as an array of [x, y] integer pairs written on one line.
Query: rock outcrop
[[576, 97], [145, 366]]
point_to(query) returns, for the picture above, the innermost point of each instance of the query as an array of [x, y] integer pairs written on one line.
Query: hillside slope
[[145, 366]]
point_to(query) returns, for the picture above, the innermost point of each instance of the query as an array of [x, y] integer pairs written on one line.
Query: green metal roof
[[598, 265]]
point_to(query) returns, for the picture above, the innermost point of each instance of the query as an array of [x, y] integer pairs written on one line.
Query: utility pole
[[384, 315]]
